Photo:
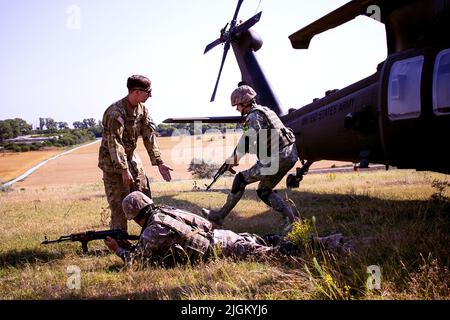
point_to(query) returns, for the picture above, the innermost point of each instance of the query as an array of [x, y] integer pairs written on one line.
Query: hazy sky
[[69, 60]]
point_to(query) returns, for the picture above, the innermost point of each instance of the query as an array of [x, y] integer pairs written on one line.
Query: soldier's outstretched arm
[[165, 172]]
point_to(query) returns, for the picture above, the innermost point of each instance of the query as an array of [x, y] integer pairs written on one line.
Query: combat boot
[[213, 216], [218, 216], [279, 205]]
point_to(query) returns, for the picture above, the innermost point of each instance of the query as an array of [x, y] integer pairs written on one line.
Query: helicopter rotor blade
[[248, 24], [219, 40], [238, 7], [225, 51], [227, 36], [212, 45], [302, 38]]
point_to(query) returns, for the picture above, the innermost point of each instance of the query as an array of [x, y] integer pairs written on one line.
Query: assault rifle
[[85, 237], [224, 168]]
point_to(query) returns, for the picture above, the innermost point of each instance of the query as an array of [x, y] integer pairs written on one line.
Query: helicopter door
[[441, 84], [439, 124], [401, 109], [403, 99]]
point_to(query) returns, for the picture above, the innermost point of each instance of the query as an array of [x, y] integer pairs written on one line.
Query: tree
[[62, 125], [21, 126], [89, 123], [78, 125], [11, 128], [41, 124], [51, 124], [6, 131]]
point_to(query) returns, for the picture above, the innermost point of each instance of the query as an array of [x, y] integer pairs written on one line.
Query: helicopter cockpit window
[[404, 88], [441, 83]]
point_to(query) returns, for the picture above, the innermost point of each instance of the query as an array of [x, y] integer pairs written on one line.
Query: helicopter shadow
[[360, 214]]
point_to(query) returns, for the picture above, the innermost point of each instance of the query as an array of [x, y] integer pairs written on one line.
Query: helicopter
[[399, 116]]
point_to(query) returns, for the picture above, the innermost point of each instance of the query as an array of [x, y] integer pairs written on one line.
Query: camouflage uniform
[[261, 126], [117, 152], [172, 235]]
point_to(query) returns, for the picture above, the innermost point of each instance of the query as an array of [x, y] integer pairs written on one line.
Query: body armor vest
[[194, 231], [286, 136]]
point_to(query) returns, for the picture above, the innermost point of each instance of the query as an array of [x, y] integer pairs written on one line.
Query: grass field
[[397, 220], [13, 164], [80, 166]]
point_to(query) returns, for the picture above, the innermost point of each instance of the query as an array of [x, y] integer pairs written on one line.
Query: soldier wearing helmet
[[173, 235], [273, 143], [123, 122]]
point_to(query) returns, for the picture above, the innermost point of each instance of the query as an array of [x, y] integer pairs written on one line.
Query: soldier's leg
[[272, 198], [115, 193], [240, 245], [237, 190]]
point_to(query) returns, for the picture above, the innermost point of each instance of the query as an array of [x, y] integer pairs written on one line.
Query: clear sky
[[69, 60]]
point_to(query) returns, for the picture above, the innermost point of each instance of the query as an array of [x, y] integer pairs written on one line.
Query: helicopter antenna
[[227, 36]]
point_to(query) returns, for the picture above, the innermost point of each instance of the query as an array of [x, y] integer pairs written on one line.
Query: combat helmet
[[242, 94], [135, 202]]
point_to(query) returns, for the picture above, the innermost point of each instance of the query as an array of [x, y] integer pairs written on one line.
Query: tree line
[[51, 133], [167, 130], [59, 134]]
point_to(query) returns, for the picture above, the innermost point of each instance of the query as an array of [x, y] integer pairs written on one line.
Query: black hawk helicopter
[[399, 116]]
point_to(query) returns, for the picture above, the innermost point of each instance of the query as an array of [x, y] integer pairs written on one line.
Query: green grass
[[398, 220]]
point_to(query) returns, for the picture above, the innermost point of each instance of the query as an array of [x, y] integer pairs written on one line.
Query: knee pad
[[264, 194], [239, 183]]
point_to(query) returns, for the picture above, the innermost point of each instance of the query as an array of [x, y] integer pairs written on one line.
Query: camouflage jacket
[[173, 235], [260, 126], [121, 130]]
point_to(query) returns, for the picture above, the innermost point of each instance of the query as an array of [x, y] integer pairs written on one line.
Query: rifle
[[85, 237], [224, 168]]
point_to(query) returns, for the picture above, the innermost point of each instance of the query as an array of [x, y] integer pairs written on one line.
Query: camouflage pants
[[267, 182], [240, 245], [287, 159], [116, 191]]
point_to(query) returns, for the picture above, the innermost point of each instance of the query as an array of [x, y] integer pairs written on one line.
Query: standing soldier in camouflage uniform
[[171, 235], [273, 143], [123, 122]]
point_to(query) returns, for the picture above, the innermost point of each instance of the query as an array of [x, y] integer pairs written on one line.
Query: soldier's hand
[[112, 244], [127, 178], [124, 243], [165, 172]]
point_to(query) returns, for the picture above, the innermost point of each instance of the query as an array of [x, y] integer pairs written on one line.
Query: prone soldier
[[171, 235]]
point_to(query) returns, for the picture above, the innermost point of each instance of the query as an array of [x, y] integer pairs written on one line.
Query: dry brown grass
[[392, 219], [80, 166], [13, 164]]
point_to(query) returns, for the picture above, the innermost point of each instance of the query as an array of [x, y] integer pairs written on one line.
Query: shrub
[[201, 169], [25, 148], [300, 233], [16, 148]]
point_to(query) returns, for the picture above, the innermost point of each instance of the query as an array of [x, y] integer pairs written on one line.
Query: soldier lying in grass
[[170, 236]]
